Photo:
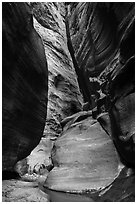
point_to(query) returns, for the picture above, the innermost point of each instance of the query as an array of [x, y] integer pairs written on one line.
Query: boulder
[[84, 158]]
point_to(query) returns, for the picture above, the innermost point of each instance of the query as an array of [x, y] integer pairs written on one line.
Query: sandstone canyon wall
[[25, 84], [87, 144], [64, 97]]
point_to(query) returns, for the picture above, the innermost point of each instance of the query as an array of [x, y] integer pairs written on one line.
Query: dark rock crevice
[[84, 87]]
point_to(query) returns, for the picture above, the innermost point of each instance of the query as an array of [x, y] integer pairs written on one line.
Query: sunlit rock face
[[84, 157], [64, 96], [25, 84]]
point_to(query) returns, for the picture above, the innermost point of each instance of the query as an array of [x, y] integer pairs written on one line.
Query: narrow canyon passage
[[68, 92]]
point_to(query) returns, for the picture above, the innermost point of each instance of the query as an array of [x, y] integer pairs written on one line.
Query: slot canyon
[[68, 101]]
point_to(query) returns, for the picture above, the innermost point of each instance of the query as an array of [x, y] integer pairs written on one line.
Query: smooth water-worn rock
[[84, 158], [24, 84], [121, 190]]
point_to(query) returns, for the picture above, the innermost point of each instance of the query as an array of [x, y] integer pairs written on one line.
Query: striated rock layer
[[25, 84]]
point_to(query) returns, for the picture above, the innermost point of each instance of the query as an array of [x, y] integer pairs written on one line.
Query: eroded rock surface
[[90, 68], [64, 95]]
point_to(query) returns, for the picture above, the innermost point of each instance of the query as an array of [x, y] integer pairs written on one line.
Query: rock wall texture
[[88, 140], [79, 42], [64, 97], [25, 84], [99, 33]]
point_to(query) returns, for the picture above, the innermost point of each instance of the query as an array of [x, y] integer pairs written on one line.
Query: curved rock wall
[[88, 61], [24, 84]]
